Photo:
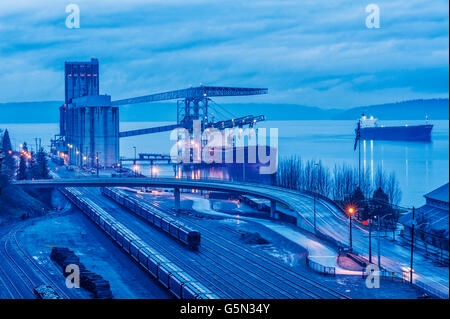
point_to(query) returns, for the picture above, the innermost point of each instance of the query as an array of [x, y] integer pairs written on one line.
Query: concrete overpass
[[300, 205]]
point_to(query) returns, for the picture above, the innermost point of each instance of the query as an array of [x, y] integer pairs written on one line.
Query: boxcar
[[177, 281], [154, 262], [174, 229], [165, 271]]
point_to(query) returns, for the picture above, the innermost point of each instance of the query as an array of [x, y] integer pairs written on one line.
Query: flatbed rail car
[[179, 283], [46, 292], [155, 217]]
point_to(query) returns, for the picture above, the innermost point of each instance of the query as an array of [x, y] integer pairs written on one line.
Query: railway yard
[[140, 259]]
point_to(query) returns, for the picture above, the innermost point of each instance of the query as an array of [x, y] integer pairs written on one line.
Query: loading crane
[[194, 106]]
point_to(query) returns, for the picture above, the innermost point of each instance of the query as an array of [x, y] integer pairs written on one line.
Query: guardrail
[[324, 270]]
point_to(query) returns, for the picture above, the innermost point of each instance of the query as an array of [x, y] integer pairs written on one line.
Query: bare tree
[[392, 189]]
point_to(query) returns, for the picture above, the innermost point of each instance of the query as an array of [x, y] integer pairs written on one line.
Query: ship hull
[[398, 133]]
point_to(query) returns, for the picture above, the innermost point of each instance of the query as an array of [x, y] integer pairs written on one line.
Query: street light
[[350, 211], [134, 162]]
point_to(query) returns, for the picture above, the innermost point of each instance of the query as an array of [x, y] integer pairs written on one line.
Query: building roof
[[439, 194], [436, 218]]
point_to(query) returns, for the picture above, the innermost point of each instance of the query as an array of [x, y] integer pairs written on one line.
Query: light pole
[[412, 246], [315, 193], [369, 223], [350, 211], [97, 165], [379, 243], [134, 162], [379, 218]]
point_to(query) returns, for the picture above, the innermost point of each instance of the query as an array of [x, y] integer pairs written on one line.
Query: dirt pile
[[253, 238], [90, 281]]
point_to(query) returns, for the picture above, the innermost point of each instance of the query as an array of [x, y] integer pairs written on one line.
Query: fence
[[324, 270]]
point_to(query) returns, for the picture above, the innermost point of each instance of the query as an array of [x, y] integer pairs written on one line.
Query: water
[[419, 167]]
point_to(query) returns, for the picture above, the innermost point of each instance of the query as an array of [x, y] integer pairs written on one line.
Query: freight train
[[179, 283], [176, 229]]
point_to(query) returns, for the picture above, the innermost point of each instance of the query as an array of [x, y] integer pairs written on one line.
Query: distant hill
[[47, 112], [435, 109], [30, 112]]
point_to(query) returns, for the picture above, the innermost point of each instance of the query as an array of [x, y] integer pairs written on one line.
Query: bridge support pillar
[[176, 194], [273, 209]]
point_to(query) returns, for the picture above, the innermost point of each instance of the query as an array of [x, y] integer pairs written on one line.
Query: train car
[[113, 232], [130, 204], [189, 237], [207, 296], [159, 219], [135, 247], [120, 237], [126, 243], [165, 271], [174, 229], [165, 224], [154, 262], [188, 292], [177, 281], [46, 292], [193, 289], [144, 254]]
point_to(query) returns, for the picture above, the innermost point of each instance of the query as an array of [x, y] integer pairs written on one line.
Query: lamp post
[[350, 211], [134, 162], [97, 165], [315, 191], [412, 246], [369, 223]]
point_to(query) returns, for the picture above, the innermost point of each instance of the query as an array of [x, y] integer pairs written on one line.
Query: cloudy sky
[[311, 52]]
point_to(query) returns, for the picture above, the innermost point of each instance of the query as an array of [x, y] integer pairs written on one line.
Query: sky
[[310, 52]]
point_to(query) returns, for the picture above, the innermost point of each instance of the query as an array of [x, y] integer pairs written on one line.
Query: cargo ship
[[369, 129]]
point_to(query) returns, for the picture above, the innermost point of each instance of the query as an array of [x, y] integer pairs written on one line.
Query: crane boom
[[192, 93], [221, 125]]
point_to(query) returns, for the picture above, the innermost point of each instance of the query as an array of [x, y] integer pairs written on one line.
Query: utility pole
[[412, 246], [315, 192], [358, 136], [134, 162], [370, 241], [350, 212], [316, 165], [379, 242], [97, 165], [351, 242]]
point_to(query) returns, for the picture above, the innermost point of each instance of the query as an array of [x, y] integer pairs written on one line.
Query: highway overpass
[[299, 204]]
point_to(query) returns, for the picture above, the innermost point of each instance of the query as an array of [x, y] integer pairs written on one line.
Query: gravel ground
[[95, 250]]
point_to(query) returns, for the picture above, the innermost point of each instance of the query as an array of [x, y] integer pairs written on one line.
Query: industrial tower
[[89, 122]]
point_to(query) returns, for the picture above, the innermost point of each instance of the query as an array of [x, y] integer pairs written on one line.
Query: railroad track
[[18, 270], [26, 269], [44, 276], [313, 286], [240, 291], [308, 288], [11, 283]]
